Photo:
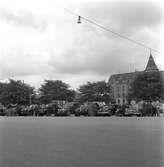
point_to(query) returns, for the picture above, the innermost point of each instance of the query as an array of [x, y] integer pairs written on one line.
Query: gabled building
[[121, 83]]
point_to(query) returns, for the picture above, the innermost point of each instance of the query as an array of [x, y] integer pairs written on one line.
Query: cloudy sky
[[39, 40]]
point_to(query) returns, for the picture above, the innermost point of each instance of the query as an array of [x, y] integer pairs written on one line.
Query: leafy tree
[[55, 90], [15, 92], [95, 91], [147, 86]]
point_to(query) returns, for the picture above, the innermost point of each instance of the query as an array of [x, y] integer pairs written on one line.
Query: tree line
[[146, 86], [18, 92]]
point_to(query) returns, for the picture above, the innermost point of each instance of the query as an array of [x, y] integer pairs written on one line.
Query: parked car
[[2, 111], [132, 112], [87, 109], [62, 112], [82, 110], [120, 111], [104, 111]]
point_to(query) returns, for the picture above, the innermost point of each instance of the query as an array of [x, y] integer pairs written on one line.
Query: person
[[123, 109], [162, 108], [118, 110], [149, 108], [144, 109], [2, 110], [18, 109], [140, 107], [93, 109], [113, 108]]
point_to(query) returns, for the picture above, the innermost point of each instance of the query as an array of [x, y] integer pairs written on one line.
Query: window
[[118, 95], [123, 88], [123, 101], [118, 101], [123, 95], [118, 89]]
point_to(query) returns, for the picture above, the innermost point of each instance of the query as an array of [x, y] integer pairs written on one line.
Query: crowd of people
[[141, 108]]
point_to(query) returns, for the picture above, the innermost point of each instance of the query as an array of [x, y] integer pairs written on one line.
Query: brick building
[[120, 83]]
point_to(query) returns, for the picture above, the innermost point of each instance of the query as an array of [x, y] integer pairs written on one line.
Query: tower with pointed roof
[[121, 83], [151, 66]]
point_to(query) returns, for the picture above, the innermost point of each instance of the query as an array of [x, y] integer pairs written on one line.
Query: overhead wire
[[108, 29]]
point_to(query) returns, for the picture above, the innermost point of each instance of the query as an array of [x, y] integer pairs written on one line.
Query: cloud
[[24, 18], [76, 53], [101, 52], [125, 15], [18, 63], [101, 62]]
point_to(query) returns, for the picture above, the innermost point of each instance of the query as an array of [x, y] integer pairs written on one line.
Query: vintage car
[[62, 112], [87, 109], [104, 111], [132, 112], [82, 110]]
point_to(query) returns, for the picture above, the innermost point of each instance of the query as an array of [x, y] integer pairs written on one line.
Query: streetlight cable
[[108, 29]]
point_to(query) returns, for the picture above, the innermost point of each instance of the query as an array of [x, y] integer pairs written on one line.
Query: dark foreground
[[81, 142]]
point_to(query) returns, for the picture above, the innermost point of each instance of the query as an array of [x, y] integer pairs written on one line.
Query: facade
[[121, 83]]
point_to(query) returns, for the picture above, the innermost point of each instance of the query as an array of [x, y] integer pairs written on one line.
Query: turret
[[151, 66]]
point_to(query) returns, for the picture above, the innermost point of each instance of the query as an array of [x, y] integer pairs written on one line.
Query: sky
[[39, 40]]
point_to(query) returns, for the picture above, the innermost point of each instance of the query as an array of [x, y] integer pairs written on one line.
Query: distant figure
[[144, 110], [154, 111], [148, 109], [123, 109], [140, 107], [113, 108], [93, 109]]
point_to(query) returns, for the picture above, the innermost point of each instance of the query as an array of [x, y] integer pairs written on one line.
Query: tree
[[95, 91], [15, 92], [55, 90], [147, 86]]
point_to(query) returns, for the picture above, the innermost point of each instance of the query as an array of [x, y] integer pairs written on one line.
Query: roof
[[129, 76], [151, 66], [123, 76]]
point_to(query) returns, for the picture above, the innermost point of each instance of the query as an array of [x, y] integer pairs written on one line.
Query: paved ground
[[81, 142]]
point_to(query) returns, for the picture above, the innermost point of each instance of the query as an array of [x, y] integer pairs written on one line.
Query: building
[[121, 83]]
